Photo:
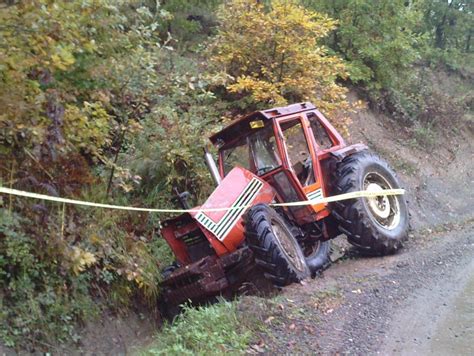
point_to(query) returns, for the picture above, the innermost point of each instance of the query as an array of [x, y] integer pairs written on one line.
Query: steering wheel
[[263, 170], [308, 165]]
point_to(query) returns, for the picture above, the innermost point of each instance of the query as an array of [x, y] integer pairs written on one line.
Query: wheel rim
[[384, 209], [313, 249], [289, 246]]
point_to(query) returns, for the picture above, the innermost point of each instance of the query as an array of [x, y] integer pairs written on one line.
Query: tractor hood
[[239, 189]]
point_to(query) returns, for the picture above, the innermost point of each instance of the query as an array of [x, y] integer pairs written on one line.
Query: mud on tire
[[275, 249], [375, 225]]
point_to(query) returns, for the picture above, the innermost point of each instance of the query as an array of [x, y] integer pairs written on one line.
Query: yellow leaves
[[274, 55], [80, 259], [87, 127], [63, 58], [90, 46], [95, 240], [260, 90]]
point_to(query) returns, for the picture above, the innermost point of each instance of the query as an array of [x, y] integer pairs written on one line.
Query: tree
[[449, 23], [376, 38], [77, 83], [274, 56]]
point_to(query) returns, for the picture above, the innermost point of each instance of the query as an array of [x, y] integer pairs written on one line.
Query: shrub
[[210, 330]]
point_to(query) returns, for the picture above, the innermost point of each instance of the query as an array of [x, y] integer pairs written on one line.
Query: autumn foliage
[[274, 56]]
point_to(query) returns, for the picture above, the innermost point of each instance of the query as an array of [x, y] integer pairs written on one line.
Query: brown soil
[[438, 179]]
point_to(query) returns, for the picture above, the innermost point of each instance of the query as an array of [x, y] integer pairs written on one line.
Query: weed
[[424, 136], [210, 330]]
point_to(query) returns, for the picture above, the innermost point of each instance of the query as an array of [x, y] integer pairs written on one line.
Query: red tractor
[[281, 155]]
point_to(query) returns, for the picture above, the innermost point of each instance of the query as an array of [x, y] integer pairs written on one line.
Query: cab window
[[320, 133], [256, 152], [298, 151]]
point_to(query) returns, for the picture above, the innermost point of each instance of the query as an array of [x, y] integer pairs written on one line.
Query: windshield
[[256, 152]]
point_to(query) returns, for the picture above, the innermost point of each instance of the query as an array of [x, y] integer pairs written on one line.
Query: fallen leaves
[[269, 320]]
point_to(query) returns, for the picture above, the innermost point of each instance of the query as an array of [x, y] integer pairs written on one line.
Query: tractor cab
[[285, 147]]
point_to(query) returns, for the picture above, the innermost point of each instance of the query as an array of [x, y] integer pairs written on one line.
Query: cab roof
[[241, 127]]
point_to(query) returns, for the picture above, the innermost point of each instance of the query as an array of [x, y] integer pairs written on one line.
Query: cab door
[[300, 159]]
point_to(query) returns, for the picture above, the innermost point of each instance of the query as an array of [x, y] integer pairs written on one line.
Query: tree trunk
[[439, 34], [119, 148], [468, 41]]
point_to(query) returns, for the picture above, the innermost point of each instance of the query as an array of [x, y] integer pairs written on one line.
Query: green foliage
[[33, 64], [375, 37], [106, 99], [448, 23], [76, 105], [169, 151], [51, 276], [40, 301], [81, 81], [190, 21], [424, 136], [386, 43], [210, 330], [87, 128]]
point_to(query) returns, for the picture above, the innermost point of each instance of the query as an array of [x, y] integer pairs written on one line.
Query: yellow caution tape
[[346, 196]]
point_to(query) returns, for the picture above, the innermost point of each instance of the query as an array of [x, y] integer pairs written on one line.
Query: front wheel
[[276, 250], [316, 251], [377, 225], [319, 258]]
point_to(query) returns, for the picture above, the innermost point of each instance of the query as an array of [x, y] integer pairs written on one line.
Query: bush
[[59, 269], [41, 301]]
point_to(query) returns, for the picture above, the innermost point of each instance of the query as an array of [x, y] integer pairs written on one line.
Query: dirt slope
[[439, 179]]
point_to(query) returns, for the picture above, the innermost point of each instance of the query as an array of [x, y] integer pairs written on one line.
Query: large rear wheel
[[276, 250], [377, 225]]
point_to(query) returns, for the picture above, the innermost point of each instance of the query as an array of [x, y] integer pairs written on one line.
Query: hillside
[[112, 102], [439, 183]]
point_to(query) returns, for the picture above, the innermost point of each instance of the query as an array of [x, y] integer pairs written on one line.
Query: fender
[[348, 150]]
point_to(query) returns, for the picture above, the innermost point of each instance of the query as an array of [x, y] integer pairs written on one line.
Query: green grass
[[211, 330]]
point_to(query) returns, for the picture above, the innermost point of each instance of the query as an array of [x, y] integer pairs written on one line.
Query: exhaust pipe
[[211, 165]]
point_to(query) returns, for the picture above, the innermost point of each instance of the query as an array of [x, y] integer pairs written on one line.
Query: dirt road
[[417, 302]]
